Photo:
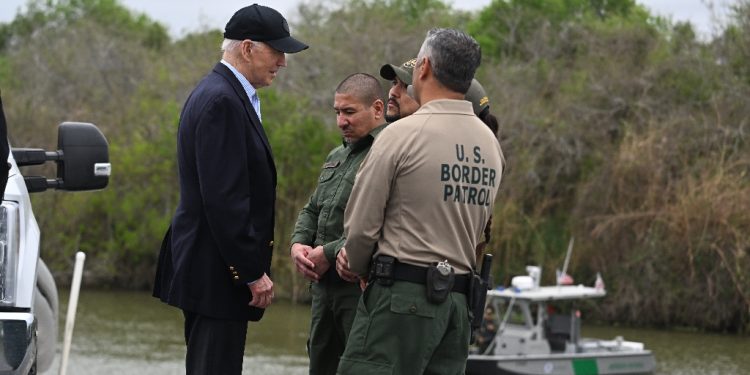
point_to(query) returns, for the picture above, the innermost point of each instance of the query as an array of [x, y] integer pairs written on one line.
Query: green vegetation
[[620, 129]]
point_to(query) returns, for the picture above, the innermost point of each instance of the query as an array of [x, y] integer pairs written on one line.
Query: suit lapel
[[222, 70]]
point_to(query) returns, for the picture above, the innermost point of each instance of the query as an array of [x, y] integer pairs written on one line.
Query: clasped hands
[[311, 263]]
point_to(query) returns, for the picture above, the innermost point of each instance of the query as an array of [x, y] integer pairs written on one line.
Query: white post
[[75, 287]]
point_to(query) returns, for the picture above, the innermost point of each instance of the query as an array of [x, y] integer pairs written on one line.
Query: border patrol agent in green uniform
[[419, 206], [318, 233]]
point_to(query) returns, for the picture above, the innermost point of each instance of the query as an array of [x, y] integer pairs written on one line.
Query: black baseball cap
[[262, 24]]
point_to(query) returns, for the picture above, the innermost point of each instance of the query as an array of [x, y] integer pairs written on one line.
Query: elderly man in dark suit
[[215, 261]]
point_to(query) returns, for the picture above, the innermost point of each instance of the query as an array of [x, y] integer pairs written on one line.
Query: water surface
[[132, 333]]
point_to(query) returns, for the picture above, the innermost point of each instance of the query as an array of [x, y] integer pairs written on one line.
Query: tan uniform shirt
[[426, 189]]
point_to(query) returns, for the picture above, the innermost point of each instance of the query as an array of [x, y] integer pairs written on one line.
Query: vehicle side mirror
[[84, 163], [82, 160]]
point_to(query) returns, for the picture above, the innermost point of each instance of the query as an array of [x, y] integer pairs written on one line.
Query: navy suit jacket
[[221, 237]]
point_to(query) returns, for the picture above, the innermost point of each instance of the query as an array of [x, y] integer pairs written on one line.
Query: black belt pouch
[[438, 286]]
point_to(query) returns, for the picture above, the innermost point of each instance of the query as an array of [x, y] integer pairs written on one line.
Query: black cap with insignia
[[262, 24]]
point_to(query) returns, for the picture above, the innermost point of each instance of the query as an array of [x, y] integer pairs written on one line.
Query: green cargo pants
[[398, 332], [334, 305]]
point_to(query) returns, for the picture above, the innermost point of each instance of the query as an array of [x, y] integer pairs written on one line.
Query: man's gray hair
[[229, 45], [454, 57]]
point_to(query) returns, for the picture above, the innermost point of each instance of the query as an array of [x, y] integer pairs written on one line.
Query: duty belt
[[417, 274]]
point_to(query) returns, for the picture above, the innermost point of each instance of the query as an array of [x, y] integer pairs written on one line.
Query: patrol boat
[[523, 333]]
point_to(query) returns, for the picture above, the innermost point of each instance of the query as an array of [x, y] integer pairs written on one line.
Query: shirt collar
[[447, 106], [249, 89], [366, 140]]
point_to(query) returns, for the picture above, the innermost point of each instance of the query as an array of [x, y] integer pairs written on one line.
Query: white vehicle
[[28, 295]]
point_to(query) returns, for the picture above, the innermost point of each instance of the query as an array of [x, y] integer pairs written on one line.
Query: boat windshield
[[511, 313]]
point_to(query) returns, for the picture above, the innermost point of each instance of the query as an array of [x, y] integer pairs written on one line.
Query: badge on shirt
[[331, 164]]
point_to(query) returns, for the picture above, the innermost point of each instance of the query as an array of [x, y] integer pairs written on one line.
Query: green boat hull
[[562, 364]]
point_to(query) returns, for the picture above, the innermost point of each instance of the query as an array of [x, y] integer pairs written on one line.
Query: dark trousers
[[214, 346]]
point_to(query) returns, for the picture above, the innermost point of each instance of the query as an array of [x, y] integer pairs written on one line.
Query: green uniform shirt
[[321, 221]]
